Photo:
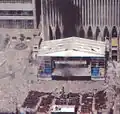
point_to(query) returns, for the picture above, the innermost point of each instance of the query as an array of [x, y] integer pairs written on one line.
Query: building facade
[[94, 19], [18, 14]]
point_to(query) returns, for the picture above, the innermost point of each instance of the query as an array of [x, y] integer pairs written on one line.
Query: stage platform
[[72, 78], [71, 74]]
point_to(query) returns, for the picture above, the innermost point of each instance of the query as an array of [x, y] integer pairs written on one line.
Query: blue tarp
[[95, 71], [48, 70]]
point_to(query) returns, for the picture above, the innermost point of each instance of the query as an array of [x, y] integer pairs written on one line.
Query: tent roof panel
[[68, 46], [72, 53]]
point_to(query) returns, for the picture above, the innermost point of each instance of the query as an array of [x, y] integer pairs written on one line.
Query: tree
[[22, 37], [6, 41], [21, 46]]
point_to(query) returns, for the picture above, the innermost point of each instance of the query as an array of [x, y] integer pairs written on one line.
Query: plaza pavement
[[13, 90]]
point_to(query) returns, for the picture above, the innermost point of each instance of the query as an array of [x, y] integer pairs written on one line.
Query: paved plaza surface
[[19, 77]]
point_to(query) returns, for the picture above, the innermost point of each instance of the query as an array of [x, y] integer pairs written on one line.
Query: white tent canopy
[[72, 47]]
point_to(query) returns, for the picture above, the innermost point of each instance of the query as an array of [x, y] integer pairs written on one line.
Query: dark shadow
[[71, 78], [97, 33], [89, 33], [114, 31], [50, 33], [58, 34], [38, 11], [70, 16], [69, 12], [82, 32], [106, 32]]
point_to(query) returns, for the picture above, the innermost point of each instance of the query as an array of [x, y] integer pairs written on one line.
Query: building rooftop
[[73, 46]]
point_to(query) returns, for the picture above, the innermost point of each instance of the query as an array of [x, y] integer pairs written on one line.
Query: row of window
[[15, 13], [21, 24], [15, 1]]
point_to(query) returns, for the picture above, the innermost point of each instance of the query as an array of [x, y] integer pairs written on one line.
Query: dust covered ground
[[18, 77]]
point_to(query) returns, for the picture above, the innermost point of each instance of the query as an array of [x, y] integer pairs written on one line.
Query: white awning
[[72, 47]]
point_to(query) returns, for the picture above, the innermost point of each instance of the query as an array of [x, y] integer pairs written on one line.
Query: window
[[114, 53], [23, 24], [15, 1], [30, 24], [16, 13], [114, 58]]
